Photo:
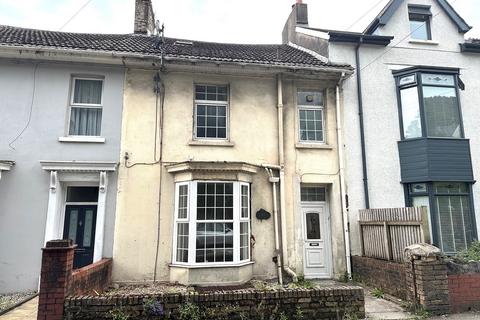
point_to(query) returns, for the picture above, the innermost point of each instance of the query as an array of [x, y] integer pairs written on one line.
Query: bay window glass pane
[[182, 202], [214, 242], [419, 29], [244, 241], [85, 121], [438, 79], [442, 114], [245, 202], [182, 242], [412, 125], [454, 222], [87, 91], [450, 187]]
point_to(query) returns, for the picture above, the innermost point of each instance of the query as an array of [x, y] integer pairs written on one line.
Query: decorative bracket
[[53, 181]]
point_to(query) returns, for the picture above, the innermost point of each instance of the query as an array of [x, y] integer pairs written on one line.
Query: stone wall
[[319, 303], [389, 276]]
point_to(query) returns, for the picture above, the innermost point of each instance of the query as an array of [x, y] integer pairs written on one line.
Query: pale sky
[[240, 21]]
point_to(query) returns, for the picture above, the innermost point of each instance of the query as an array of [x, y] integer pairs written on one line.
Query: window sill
[[211, 143], [211, 265], [82, 139], [428, 42], [303, 145]]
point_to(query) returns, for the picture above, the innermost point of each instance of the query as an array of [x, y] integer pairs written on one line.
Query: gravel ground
[[8, 300], [146, 288]]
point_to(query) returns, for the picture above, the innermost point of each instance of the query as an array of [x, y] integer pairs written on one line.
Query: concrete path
[[381, 309], [460, 316], [27, 311]]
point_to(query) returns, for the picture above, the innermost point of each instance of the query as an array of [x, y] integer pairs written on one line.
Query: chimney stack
[[301, 13], [144, 18]]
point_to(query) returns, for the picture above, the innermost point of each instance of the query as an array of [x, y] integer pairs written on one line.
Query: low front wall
[[319, 303], [389, 276], [464, 286], [91, 279]]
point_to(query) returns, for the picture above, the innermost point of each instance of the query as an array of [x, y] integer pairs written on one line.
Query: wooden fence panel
[[385, 233]]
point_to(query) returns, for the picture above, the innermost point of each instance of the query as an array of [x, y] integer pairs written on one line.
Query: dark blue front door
[[80, 221]]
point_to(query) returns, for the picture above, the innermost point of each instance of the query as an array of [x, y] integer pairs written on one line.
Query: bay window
[[212, 223], [428, 103], [449, 206]]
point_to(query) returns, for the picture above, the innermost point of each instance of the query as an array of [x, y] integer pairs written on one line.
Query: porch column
[[101, 205], [51, 227]]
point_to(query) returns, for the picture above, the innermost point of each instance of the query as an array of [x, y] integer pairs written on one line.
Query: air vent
[[183, 43]]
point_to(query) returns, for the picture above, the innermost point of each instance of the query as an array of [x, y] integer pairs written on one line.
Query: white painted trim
[[87, 139], [64, 173], [313, 33], [79, 166], [5, 166], [100, 224], [427, 42], [310, 52]]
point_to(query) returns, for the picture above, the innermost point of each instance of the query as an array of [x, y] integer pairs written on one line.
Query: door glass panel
[[82, 194], [87, 233], [313, 225], [72, 228]]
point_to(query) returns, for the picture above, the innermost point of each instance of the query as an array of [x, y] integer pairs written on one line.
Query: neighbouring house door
[[317, 251], [79, 226]]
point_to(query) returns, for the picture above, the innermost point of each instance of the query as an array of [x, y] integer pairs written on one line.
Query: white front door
[[316, 242]]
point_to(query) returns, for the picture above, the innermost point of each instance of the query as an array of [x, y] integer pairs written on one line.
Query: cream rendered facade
[[144, 230]]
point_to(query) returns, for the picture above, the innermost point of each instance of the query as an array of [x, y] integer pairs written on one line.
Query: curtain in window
[[87, 92], [85, 121]]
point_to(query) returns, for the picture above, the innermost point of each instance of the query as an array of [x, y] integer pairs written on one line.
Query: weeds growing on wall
[[378, 293], [119, 314], [470, 254]]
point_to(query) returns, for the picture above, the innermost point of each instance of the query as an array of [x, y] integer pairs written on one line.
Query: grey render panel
[[435, 159], [24, 189]]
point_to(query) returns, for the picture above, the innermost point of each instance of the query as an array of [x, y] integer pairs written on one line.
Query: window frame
[[192, 222], [316, 185], [431, 194], [418, 83], [226, 104], [72, 104], [322, 109]]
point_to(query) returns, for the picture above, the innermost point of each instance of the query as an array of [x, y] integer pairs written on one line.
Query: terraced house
[[229, 164], [413, 140]]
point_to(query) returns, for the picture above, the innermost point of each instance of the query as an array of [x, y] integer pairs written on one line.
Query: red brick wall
[[389, 276], [58, 280], [91, 279], [464, 292]]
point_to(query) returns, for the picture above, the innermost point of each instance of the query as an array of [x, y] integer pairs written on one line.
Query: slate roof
[[279, 55]]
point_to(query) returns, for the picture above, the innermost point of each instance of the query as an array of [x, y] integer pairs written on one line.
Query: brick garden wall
[[321, 303], [389, 276], [91, 279], [464, 287]]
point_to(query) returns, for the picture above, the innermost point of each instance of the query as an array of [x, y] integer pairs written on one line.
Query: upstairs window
[[311, 117], [429, 106], [86, 107], [211, 112], [419, 16]]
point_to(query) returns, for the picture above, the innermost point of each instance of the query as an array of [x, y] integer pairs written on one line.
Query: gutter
[[362, 127], [343, 193]]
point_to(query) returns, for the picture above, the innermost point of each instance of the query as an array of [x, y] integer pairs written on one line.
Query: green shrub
[[190, 311], [119, 314], [470, 254]]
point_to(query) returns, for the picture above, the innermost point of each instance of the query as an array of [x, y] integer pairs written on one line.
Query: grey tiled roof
[[173, 48]]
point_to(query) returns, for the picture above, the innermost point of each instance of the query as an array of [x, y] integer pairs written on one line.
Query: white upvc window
[[86, 104], [211, 112], [311, 117], [212, 223]]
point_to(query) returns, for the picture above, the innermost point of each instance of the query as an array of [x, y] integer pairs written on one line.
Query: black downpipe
[[362, 128]]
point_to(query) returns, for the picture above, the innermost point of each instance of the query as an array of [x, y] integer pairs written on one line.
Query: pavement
[[382, 309], [26, 311]]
